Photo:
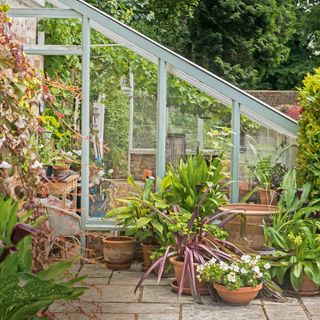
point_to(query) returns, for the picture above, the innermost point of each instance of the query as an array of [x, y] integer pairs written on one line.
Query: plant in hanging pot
[[237, 281], [140, 221]]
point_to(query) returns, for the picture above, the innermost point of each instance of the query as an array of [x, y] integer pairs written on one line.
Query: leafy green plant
[[23, 294], [138, 218], [185, 185], [294, 234]]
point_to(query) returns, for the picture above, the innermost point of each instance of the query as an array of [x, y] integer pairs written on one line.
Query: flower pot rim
[[121, 239], [242, 289], [173, 260], [150, 245], [249, 209]]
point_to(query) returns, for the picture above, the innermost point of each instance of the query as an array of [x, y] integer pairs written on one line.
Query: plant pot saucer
[[187, 291], [114, 266], [304, 293]]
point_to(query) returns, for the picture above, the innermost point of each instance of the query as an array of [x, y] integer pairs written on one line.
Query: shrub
[[309, 132]]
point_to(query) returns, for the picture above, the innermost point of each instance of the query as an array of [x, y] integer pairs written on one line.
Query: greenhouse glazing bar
[[235, 152], [85, 126]]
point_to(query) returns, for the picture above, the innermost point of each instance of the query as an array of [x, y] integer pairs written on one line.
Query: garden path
[[111, 297]]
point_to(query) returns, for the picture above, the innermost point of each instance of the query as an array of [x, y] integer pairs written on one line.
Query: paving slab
[[222, 312], [110, 293], [288, 301], [98, 270], [285, 312], [133, 277], [312, 304], [97, 316], [158, 317]]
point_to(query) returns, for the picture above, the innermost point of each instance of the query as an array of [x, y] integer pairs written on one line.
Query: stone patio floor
[[110, 297]]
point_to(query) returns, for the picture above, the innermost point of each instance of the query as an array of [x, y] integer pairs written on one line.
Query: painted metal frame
[[167, 61]]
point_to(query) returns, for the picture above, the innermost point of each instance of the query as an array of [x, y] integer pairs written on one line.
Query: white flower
[[257, 274], [23, 136], [256, 269], [224, 266], [235, 268], [258, 257], [246, 258], [110, 171], [267, 266], [36, 165], [20, 124], [243, 270], [212, 260], [2, 140], [200, 268], [69, 154], [5, 165], [231, 277]]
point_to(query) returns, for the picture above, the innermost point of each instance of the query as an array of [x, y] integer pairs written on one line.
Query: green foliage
[[23, 294], [185, 185], [138, 216], [309, 133], [294, 234]]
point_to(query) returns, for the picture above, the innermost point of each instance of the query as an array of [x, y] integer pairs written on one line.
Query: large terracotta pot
[[119, 252], [253, 236], [268, 197], [146, 252], [308, 286], [238, 296], [178, 268]]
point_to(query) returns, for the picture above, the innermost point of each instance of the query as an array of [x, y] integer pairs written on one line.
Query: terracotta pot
[[307, 285], [119, 252], [253, 236], [238, 296], [146, 252], [146, 174], [178, 267], [268, 197], [60, 170]]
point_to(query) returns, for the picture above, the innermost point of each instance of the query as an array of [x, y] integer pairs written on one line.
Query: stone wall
[[276, 98]]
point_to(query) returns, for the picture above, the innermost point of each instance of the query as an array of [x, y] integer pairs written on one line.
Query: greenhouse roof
[[176, 64]]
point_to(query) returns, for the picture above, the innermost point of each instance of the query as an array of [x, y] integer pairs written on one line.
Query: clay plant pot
[[178, 267], [238, 296], [61, 170], [253, 236], [308, 286], [146, 174], [146, 252], [119, 252], [268, 197]]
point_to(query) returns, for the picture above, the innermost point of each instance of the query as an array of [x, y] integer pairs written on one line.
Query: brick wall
[[26, 28], [276, 98]]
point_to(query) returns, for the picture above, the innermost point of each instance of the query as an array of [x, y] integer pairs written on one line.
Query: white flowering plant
[[245, 272]]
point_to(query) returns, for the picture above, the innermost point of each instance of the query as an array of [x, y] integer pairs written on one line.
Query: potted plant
[[119, 251], [268, 173], [295, 236], [140, 221], [194, 243], [237, 281]]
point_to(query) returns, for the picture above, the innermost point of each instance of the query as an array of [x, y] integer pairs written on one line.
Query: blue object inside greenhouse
[[167, 61]]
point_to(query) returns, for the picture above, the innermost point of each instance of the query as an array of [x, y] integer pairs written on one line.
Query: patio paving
[[110, 297]]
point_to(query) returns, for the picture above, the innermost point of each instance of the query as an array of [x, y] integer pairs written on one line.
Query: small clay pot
[[60, 170], [119, 252], [146, 174], [268, 197], [307, 285], [147, 251], [237, 296], [178, 268]]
